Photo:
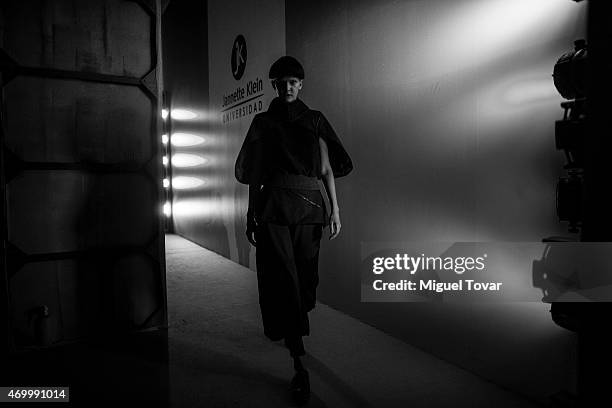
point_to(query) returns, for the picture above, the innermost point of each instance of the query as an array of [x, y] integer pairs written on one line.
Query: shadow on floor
[[131, 369]]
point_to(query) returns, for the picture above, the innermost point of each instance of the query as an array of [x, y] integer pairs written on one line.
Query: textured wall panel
[[83, 296], [109, 37], [60, 211], [136, 288], [29, 327], [53, 120], [82, 176], [73, 298]]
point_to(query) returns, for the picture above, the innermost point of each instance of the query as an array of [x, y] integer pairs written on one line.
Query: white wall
[[211, 211], [448, 110]]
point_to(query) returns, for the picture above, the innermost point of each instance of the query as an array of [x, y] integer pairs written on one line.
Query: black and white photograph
[[291, 203]]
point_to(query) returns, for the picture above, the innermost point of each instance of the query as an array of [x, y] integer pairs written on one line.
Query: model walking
[[286, 151]]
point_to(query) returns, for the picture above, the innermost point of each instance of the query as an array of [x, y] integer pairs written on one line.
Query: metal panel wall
[[83, 247]]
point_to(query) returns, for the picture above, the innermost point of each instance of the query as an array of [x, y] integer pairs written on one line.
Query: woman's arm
[[330, 187], [251, 224]]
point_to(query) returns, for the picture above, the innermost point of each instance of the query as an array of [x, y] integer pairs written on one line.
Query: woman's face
[[287, 88]]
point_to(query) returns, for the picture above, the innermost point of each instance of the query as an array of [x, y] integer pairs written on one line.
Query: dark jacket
[[285, 140]]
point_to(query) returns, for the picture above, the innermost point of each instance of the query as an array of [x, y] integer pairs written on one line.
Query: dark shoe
[[300, 387]]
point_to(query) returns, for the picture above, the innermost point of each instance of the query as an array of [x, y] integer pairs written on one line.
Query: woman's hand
[[251, 228], [334, 224], [327, 174]]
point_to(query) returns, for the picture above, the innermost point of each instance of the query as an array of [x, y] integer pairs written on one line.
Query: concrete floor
[[219, 356], [214, 354]]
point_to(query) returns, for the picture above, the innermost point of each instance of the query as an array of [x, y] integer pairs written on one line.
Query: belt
[[293, 181]]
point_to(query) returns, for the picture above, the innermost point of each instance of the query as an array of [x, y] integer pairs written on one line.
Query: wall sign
[[239, 57]]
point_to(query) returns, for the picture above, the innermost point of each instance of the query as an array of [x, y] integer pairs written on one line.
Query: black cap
[[286, 66]]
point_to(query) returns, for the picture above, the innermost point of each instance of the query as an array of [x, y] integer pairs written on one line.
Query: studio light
[[570, 72], [570, 78], [186, 139], [167, 209], [187, 160], [186, 183], [183, 114]]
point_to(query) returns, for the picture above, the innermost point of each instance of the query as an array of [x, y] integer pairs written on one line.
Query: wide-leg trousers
[[287, 258]]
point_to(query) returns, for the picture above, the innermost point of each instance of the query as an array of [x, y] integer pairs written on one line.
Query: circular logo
[[239, 57]]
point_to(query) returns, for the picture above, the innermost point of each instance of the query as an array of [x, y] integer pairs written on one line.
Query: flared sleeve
[[338, 157], [249, 165]]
